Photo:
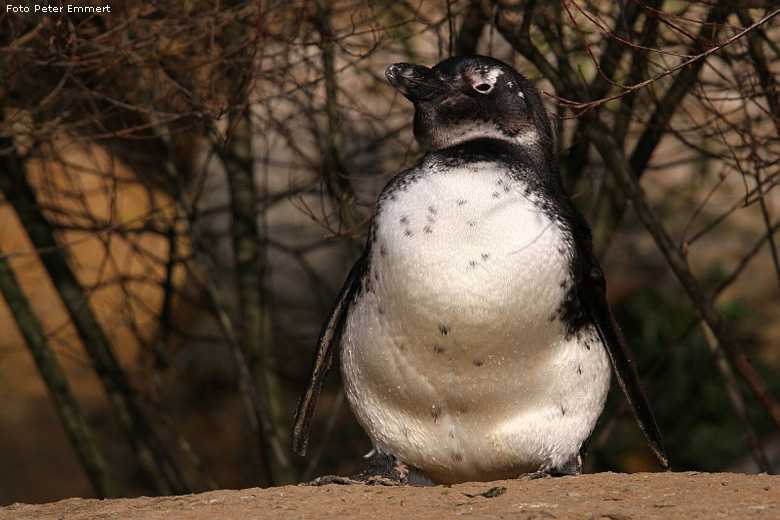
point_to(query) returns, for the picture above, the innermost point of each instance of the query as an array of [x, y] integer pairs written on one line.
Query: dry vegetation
[[185, 183]]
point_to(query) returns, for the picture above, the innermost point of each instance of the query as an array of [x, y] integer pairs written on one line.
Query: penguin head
[[472, 97]]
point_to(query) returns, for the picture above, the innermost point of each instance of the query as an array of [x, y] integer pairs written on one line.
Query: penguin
[[476, 342]]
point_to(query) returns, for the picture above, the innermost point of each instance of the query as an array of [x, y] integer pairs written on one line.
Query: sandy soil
[[604, 495]]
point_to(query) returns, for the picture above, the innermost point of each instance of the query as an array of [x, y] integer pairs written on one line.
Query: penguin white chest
[[471, 237], [453, 354]]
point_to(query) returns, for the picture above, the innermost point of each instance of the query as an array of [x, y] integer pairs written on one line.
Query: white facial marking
[[484, 80], [492, 75]]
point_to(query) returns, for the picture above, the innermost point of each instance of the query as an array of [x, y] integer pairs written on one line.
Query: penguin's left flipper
[[328, 340], [594, 300]]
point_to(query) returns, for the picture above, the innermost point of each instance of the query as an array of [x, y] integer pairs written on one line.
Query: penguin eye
[[483, 88]]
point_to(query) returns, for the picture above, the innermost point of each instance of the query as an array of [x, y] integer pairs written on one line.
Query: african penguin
[[476, 339]]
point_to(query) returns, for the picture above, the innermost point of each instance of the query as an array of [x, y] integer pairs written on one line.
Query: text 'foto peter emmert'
[[57, 9]]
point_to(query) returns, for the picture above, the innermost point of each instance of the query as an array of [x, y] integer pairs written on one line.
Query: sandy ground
[[604, 495]]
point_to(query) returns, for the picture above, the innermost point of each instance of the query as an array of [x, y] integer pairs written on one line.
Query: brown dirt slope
[[604, 495]]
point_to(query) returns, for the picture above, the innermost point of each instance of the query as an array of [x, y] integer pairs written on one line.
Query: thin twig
[[584, 107], [611, 152]]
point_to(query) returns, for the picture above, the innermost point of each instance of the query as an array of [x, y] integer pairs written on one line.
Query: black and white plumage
[[475, 333]]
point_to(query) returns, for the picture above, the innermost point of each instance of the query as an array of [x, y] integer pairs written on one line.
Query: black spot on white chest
[[471, 234], [455, 212]]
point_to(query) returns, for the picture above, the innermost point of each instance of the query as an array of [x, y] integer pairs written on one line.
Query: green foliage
[[700, 428]]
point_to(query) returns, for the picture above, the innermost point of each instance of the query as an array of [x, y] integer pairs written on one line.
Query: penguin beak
[[415, 82]]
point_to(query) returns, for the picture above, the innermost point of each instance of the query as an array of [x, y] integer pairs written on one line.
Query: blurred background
[[185, 184]]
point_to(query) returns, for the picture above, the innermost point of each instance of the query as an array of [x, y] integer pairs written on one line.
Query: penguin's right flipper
[[329, 338]]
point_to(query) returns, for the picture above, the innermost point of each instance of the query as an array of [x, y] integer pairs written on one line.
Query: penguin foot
[[359, 479], [573, 466], [536, 475], [381, 469]]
